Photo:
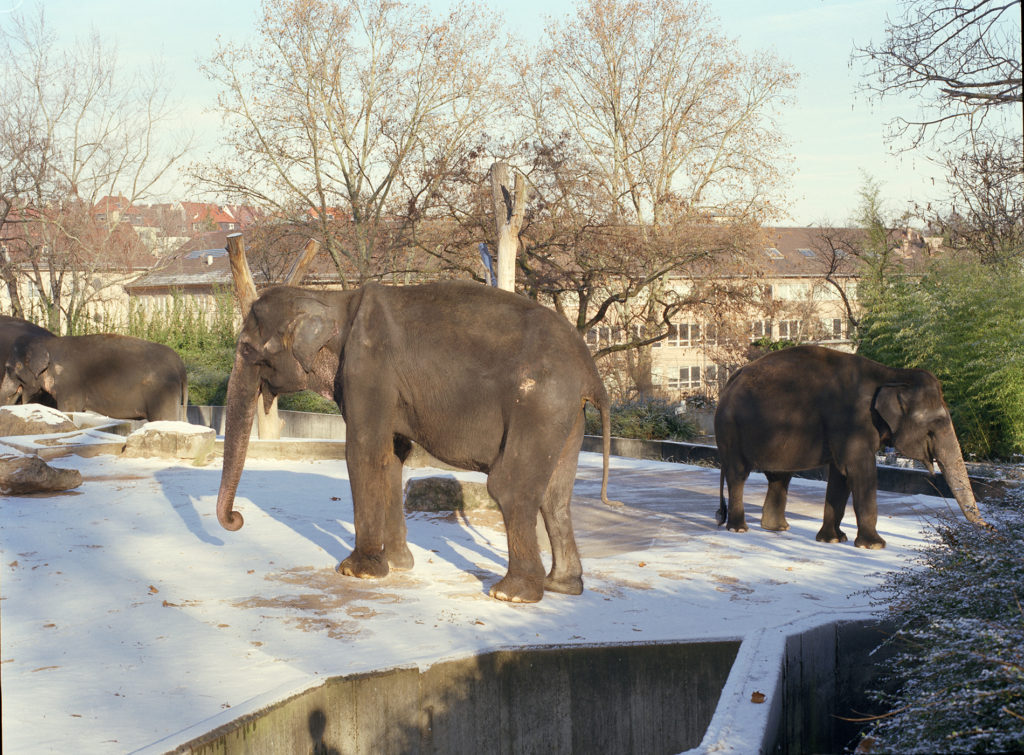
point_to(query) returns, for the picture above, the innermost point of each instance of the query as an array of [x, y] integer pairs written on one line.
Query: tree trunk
[[509, 208], [267, 420]]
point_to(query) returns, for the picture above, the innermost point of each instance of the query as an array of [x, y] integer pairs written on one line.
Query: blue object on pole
[[488, 261]]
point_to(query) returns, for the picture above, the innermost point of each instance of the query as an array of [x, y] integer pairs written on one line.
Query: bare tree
[[358, 108], [987, 219], [76, 129], [962, 58], [668, 129]]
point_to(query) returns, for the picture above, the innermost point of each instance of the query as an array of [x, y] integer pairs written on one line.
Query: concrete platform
[[132, 622]]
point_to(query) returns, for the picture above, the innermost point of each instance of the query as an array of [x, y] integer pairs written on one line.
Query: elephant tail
[[723, 508], [599, 398]]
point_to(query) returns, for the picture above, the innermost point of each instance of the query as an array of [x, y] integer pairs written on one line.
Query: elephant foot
[[871, 542], [400, 557], [565, 585], [775, 526], [738, 527], [364, 566], [838, 536], [517, 589]]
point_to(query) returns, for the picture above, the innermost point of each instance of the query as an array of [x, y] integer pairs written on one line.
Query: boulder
[[172, 440], [33, 419], [21, 473], [446, 494]]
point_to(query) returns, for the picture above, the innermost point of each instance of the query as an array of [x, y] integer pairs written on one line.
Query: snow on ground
[[128, 616]]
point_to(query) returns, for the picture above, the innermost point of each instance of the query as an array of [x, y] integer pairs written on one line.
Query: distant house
[[797, 304], [200, 269]]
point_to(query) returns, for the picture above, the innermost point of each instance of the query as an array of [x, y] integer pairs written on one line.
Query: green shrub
[[959, 668], [307, 401], [643, 419], [963, 321]]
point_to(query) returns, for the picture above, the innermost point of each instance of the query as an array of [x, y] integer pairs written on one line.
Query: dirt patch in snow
[[328, 602]]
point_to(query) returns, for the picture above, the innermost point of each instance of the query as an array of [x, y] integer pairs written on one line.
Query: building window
[[711, 335], [773, 253], [681, 334], [688, 379], [789, 330], [760, 329], [807, 252]]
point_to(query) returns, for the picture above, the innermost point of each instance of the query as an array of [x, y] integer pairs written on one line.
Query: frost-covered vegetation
[[644, 419], [959, 670]]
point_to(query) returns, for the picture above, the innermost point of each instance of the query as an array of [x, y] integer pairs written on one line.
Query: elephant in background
[[13, 328], [808, 407], [114, 375], [483, 379]]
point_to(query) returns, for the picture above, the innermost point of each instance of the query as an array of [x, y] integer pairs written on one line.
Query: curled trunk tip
[[232, 521]]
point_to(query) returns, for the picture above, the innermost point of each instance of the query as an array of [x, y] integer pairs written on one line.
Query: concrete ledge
[[296, 424], [609, 699], [892, 479]]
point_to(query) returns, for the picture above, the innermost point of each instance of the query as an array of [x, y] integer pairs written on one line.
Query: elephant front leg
[[865, 506], [396, 549], [773, 514], [370, 481], [836, 494]]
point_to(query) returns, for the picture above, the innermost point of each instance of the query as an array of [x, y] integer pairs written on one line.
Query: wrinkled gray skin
[[13, 328], [114, 375], [809, 407], [481, 378]]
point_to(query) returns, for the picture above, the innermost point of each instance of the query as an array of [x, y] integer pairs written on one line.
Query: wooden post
[[509, 208], [298, 269], [268, 423]]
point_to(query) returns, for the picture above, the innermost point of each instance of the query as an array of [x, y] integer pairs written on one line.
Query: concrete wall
[[826, 673], [892, 479], [296, 424], [608, 699]]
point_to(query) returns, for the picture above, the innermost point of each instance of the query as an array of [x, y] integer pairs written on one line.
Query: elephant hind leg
[[518, 482], [836, 494], [735, 478], [566, 575], [773, 514]]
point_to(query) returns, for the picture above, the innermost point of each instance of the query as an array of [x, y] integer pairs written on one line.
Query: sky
[[836, 134]]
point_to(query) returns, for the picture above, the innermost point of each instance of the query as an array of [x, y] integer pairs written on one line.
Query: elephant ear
[[311, 333], [37, 358], [896, 406], [889, 406]]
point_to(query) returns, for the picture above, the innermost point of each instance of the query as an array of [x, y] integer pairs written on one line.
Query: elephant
[[13, 328], [482, 379], [115, 375], [808, 406]]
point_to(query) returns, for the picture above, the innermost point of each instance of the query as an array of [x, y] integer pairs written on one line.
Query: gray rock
[[21, 474], [446, 494], [33, 419], [172, 440]]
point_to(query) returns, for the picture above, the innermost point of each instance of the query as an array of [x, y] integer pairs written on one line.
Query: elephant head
[[922, 429], [291, 340], [27, 374]]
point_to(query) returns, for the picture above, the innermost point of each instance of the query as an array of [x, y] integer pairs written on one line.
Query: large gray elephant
[[13, 328], [482, 379], [114, 375], [808, 407]]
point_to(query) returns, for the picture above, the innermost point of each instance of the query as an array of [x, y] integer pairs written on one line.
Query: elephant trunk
[[951, 462], [241, 407]]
